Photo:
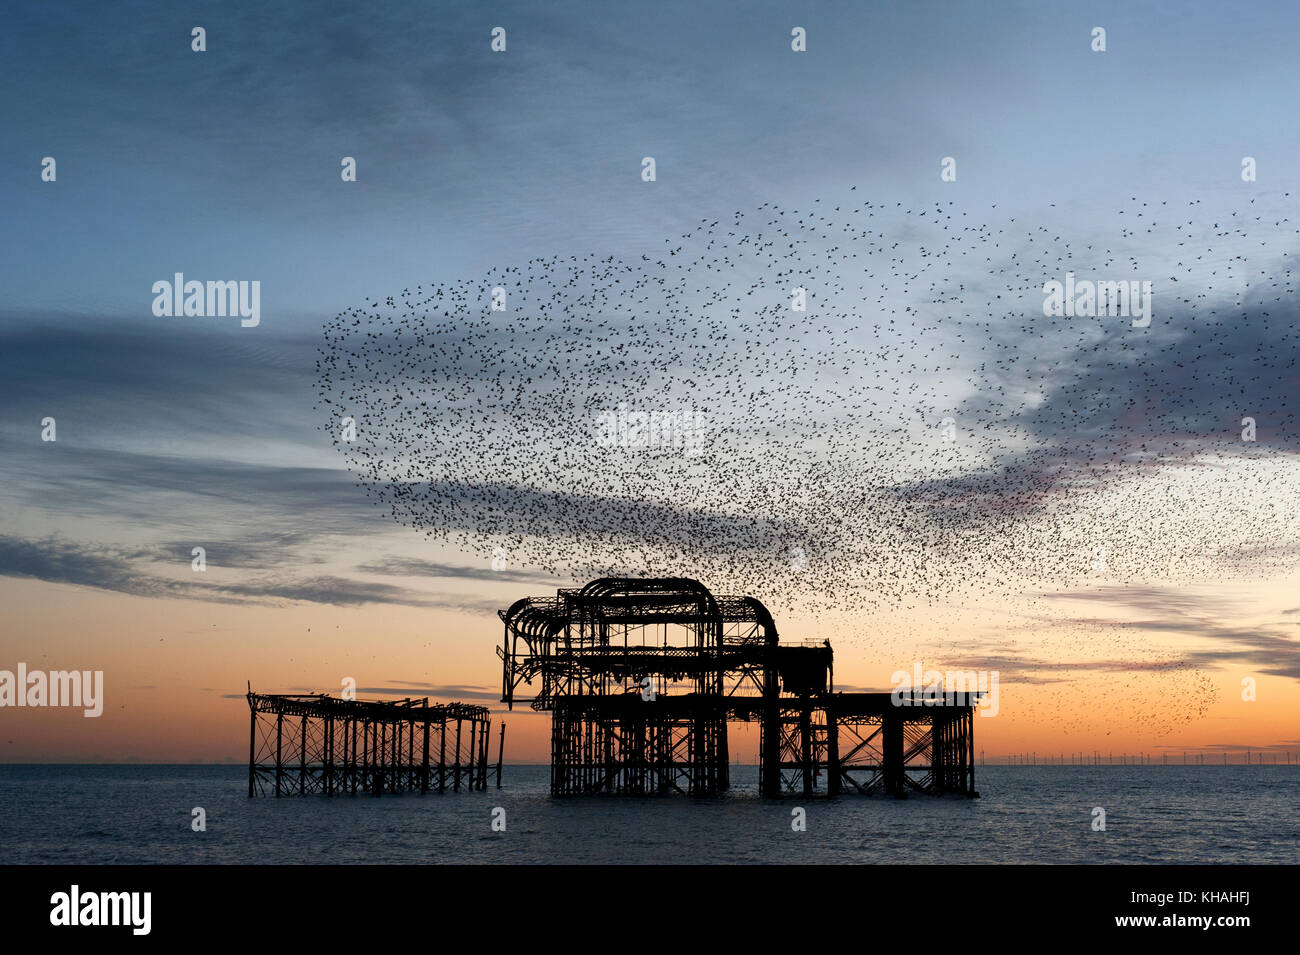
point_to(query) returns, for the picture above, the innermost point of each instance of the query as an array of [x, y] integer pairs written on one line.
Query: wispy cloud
[[1268, 650], [108, 568], [413, 567]]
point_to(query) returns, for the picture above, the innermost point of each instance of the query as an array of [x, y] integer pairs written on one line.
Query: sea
[[120, 814]]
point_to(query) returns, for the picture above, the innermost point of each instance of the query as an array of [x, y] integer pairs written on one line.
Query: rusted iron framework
[[300, 744], [926, 745], [643, 676]]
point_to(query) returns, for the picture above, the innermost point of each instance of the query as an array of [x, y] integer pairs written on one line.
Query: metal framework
[[926, 746], [300, 744], [643, 676]]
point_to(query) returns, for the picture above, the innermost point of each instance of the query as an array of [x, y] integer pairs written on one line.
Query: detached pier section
[[643, 676], [326, 745]]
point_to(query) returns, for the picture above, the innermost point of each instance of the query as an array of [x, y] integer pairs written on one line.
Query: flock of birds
[[919, 432]]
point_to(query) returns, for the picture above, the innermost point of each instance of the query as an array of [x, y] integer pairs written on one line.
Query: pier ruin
[[643, 677], [313, 743]]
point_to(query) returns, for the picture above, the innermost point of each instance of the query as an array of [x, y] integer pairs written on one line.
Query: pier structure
[[643, 676], [314, 743]]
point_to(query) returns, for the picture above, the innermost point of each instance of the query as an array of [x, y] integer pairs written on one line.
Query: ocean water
[[1154, 814]]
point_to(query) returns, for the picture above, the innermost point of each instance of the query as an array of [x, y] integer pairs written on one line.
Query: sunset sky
[[174, 433]]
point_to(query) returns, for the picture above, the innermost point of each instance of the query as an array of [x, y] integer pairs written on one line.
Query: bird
[[849, 406]]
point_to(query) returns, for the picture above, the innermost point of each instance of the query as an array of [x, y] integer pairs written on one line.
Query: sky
[[174, 432]]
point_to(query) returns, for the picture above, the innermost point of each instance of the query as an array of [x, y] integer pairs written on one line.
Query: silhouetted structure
[[642, 677], [322, 744]]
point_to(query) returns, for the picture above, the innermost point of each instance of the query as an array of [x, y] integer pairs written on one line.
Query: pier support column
[[892, 753], [832, 750], [252, 752]]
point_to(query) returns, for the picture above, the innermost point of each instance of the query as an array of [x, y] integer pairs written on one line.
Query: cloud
[[413, 567], [107, 568], [1267, 650], [447, 692], [64, 562]]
